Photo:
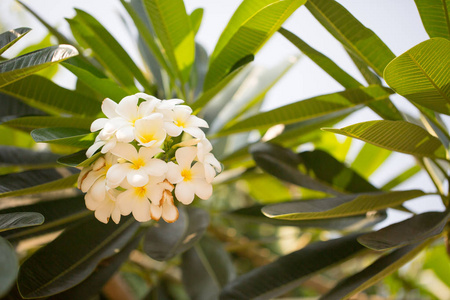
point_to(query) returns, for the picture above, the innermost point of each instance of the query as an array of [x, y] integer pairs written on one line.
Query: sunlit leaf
[[18, 220], [422, 74], [435, 17], [401, 177], [436, 259], [309, 109], [373, 273], [253, 23], [290, 271], [72, 256], [413, 230], [353, 35], [398, 136], [369, 159], [10, 37], [25, 65], [206, 269], [42, 93], [9, 266], [165, 240], [347, 205], [196, 19], [173, 28], [74, 137]]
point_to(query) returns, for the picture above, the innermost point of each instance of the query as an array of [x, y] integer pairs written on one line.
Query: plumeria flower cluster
[[149, 151]]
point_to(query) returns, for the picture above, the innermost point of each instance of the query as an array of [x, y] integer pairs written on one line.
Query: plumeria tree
[[171, 177]]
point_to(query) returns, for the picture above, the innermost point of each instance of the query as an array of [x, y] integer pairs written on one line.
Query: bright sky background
[[396, 22]]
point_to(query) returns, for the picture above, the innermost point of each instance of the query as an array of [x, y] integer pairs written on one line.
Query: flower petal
[[195, 121], [125, 201], [184, 191], [203, 189], [137, 178], [109, 108], [156, 167], [141, 210], [173, 173], [195, 132], [92, 149], [125, 151], [170, 212], [125, 134], [116, 174], [155, 212], [185, 156], [98, 124], [128, 108], [172, 129]]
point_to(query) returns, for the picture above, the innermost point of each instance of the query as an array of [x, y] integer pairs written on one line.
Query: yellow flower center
[[138, 163], [180, 123], [186, 174], [140, 191], [147, 137]]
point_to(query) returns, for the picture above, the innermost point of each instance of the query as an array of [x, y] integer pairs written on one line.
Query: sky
[[397, 23]]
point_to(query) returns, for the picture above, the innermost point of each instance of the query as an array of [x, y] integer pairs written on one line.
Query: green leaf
[[25, 157], [104, 86], [253, 23], [18, 220], [326, 64], [309, 109], [401, 177], [14, 108], [74, 159], [9, 266], [74, 137], [290, 271], [206, 269], [328, 169], [33, 188], [173, 28], [413, 230], [282, 163], [58, 215], [436, 259], [373, 273], [42, 93], [164, 241], [25, 65], [369, 159], [353, 35], [341, 206], [397, 136], [435, 17], [422, 74], [72, 257], [30, 123], [253, 214], [196, 19], [10, 37], [93, 284]]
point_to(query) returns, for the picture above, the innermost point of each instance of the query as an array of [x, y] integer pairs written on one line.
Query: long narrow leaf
[[309, 109], [369, 159], [362, 41], [435, 15], [30, 123], [401, 178], [398, 136], [9, 266], [348, 205], [18, 220], [25, 157], [241, 39], [72, 257], [289, 271], [73, 137], [25, 65], [422, 74], [10, 37]]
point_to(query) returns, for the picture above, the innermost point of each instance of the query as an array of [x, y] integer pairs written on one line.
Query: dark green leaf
[[375, 272], [413, 230], [74, 159], [435, 17], [18, 220], [290, 271], [73, 137], [9, 266], [253, 23], [422, 74], [328, 169], [353, 35], [348, 205], [165, 240], [72, 257], [42, 93], [398, 136], [254, 214], [282, 163], [30, 123], [25, 65], [13, 108], [206, 269], [369, 159], [309, 109], [25, 157], [10, 37]]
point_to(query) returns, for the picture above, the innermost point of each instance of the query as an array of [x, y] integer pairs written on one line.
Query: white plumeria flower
[[107, 208], [106, 144], [210, 163], [135, 200], [190, 181], [149, 131], [166, 208], [183, 120], [138, 166]]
